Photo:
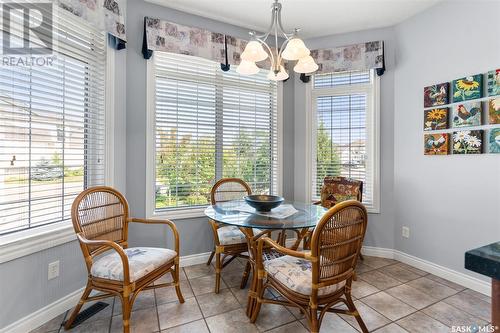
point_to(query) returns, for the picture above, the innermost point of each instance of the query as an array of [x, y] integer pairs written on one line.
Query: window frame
[[194, 211], [25, 242], [373, 131]]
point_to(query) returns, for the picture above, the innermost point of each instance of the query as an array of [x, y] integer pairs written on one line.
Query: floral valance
[[362, 56], [105, 14], [160, 35]]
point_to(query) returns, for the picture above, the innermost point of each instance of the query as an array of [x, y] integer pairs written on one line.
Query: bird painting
[[436, 95], [436, 144], [467, 114]]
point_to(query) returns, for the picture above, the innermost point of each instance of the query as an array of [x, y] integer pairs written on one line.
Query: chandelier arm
[[268, 50], [269, 29], [287, 35]]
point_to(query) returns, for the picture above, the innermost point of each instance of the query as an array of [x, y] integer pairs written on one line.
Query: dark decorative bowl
[[264, 203]]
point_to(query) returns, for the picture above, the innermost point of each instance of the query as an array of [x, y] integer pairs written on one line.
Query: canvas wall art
[[468, 142], [493, 78], [467, 114], [494, 141], [436, 144], [436, 95], [467, 88], [494, 111], [435, 119]]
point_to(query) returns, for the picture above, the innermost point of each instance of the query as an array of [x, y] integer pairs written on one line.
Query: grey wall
[[451, 203], [380, 226], [196, 236]]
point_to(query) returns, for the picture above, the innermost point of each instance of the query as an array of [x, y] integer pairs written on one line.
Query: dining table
[[294, 217]]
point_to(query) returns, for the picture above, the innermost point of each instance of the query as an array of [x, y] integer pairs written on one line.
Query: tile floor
[[392, 297]]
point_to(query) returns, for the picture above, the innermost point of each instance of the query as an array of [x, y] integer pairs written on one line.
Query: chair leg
[[313, 322], [177, 281], [361, 256], [246, 273], [258, 302], [218, 269], [75, 312], [126, 309], [352, 308], [210, 258]]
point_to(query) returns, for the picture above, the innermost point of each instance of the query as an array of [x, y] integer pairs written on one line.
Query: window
[[210, 124], [52, 128], [345, 131]]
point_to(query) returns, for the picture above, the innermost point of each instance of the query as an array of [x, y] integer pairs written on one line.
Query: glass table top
[[307, 216]]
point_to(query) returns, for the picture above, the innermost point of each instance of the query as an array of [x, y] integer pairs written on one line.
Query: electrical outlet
[[406, 232], [53, 271]]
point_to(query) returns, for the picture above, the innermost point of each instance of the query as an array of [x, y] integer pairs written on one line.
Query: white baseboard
[[52, 310], [194, 259], [44, 314], [484, 287]]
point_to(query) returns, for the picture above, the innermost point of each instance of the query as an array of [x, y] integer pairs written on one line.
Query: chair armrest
[[167, 222], [111, 245], [280, 249]]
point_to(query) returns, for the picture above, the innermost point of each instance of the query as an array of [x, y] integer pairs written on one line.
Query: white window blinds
[[52, 139], [344, 130], [211, 124]]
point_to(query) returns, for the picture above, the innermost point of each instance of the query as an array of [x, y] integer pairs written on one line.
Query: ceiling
[[315, 17]]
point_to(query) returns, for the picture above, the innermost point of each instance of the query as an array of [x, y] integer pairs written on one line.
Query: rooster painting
[[436, 144], [436, 95], [467, 114]]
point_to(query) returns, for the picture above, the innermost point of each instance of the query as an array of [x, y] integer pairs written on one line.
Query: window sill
[[179, 214], [27, 242]]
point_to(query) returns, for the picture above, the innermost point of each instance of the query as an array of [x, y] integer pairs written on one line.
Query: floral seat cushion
[[230, 234], [296, 274], [141, 260]]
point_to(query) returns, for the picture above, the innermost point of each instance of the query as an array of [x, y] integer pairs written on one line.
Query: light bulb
[[247, 68], [295, 49], [254, 52], [306, 65], [280, 76]]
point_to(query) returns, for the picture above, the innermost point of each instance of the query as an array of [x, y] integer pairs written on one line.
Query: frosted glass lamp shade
[[295, 50], [306, 65], [282, 74], [254, 52], [247, 68]]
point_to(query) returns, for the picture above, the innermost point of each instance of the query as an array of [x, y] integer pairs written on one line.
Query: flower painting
[[467, 88], [467, 114], [468, 142], [435, 119], [494, 142], [436, 144], [436, 95], [494, 82], [494, 110]]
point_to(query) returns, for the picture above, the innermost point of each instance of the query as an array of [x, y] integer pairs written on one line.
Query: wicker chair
[[100, 218], [229, 241], [316, 281]]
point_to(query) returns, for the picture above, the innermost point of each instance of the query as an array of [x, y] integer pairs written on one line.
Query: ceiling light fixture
[[293, 48]]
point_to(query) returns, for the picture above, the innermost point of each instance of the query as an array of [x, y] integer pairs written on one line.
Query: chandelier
[[292, 49]]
